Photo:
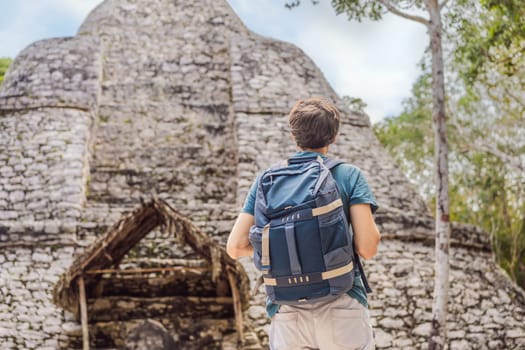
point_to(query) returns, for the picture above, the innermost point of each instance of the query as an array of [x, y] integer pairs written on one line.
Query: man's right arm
[[366, 234], [238, 243]]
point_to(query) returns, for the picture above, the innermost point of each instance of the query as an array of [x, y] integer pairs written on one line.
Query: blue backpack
[[301, 238]]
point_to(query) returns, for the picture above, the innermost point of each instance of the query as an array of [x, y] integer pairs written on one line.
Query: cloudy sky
[[376, 61]]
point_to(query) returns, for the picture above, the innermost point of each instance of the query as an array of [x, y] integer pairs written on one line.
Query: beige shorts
[[339, 324]]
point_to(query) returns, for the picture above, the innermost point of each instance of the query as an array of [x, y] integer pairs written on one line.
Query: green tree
[[486, 133], [408, 137], [488, 32], [410, 9], [487, 178], [355, 104], [4, 64], [489, 59]]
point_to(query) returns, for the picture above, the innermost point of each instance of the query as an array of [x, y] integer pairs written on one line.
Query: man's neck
[[322, 150]]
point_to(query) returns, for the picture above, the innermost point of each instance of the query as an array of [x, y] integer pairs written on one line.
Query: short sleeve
[[361, 192], [249, 202]]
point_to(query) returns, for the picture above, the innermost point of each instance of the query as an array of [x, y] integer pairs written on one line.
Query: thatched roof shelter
[[105, 255]]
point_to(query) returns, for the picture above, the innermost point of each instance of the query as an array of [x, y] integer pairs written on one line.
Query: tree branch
[[443, 4], [515, 97], [489, 148], [391, 8]]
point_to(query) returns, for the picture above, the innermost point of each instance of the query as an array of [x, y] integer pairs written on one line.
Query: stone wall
[[179, 98], [48, 105], [28, 318], [482, 305], [165, 123]]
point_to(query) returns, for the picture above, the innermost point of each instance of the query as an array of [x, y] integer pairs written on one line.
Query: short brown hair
[[314, 123]]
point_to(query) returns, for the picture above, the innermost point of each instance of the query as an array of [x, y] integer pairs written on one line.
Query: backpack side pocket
[[334, 231], [255, 238]]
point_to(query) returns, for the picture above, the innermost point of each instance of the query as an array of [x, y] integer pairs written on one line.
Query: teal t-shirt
[[354, 189]]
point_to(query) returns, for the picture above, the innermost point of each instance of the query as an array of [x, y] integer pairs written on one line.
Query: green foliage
[[487, 185], [358, 9], [355, 104], [408, 137], [488, 32], [4, 64], [362, 9], [486, 109]]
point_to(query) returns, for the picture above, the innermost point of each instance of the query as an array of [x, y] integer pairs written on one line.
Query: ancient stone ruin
[[205, 296], [179, 99]]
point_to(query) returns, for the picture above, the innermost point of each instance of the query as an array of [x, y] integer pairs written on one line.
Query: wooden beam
[[83, 313], [187, 282], [122, 236], [182, 269], [237, 307], [165, 262]]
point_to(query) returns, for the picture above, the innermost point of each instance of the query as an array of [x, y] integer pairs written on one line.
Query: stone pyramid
[[181, 99]]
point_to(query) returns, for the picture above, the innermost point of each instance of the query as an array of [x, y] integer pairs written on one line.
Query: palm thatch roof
[[110, 249]]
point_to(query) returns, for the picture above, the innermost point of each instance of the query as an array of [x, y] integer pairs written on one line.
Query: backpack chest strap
[[286, 281], [308, 213]]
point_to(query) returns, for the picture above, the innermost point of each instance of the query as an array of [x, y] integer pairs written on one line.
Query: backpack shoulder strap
[[361, 270], [332, 163]]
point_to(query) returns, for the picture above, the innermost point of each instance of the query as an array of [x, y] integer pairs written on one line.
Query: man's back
[[342, 323]]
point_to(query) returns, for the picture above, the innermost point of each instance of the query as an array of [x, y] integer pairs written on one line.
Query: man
[[342, 323]]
